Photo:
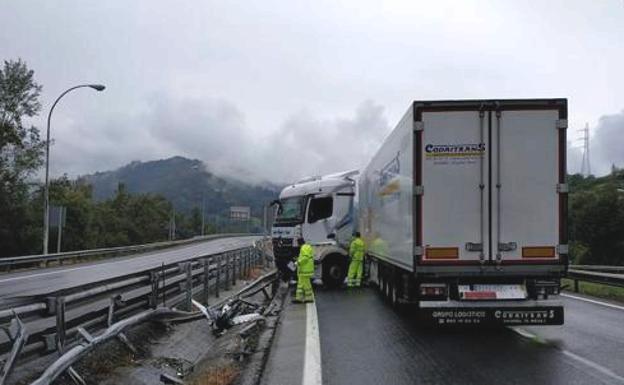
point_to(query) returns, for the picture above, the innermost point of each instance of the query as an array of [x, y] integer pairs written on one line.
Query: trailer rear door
[[455, 185], [492, 182], [525, 214]]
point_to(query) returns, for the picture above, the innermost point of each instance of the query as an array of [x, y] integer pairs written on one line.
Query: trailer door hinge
[[419, 126], [419, 190], [562, 249], [418, 250], [562, 124], [562, 188], [507, 246]]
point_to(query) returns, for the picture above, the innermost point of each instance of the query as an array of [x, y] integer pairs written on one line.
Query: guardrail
[[57, 322], [12, 262], [606, 275]]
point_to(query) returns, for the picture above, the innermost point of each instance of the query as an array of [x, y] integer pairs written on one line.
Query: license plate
[[491, 292]]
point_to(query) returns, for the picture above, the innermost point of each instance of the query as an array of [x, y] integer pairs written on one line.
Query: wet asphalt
[[364, 341], [42, 281]]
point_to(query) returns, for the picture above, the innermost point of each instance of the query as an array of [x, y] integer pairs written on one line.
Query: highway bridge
[[345, 337]]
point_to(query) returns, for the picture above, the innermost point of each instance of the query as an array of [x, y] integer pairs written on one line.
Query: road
[[363, 341], [43, 281], [587, 350]]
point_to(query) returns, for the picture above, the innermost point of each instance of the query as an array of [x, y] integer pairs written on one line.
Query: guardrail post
[[235, 261], [247, 263], [154, 280], [188, 269], [60, 323], [217, 275], [250, 261], [206, 265], [576, 285], [226, 267]]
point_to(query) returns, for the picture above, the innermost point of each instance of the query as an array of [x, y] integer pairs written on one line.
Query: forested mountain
[[183, 182]]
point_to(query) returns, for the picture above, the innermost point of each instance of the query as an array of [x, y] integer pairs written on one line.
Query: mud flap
[[494, 316]]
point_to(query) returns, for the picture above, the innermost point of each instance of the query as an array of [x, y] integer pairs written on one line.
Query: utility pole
[[203, 212], [172, 225], [585, 164], [62, 210]]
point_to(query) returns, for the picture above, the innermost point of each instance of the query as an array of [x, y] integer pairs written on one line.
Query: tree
[[21, 153], [597, 225]]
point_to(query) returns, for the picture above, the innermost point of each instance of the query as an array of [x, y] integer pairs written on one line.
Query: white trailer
[[321, 210], [464, 211]]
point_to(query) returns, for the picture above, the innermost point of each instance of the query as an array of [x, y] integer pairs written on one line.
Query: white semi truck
[[321, 210], [464, 208]]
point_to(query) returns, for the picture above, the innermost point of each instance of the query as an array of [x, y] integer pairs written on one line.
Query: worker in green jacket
[[305, 271], [356, 252]]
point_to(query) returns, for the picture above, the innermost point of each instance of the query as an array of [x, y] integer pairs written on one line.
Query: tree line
[[123, 219], [596, 219], [596, 205]]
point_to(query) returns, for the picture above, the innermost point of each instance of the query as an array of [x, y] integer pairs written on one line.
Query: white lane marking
[[594, 366], [524, 333], [312, 373], [599, 368], [42, 274], [593, 301]]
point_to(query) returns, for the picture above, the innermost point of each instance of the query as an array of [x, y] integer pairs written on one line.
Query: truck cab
[[321, 210]]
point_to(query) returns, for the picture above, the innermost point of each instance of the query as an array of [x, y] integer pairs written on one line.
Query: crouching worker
[[305, 271], [356, 252]]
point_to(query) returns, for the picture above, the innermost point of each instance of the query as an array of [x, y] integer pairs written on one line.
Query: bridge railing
[[57, 321], [9, 263], [605, 275]]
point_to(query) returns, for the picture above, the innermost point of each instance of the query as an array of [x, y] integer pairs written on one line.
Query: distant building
[[240, 213]]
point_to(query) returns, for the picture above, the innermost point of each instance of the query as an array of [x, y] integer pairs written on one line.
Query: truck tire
[[334, 271], [394, 295]]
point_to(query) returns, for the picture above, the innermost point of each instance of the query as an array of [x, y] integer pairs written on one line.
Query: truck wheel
[[334, 272], [394, 295]]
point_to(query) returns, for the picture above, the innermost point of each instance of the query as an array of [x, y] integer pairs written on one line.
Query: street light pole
[[46, 193]]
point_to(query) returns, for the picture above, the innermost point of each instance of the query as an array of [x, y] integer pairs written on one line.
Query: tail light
[[433, 291]]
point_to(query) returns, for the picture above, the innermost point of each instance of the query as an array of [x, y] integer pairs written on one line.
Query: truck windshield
[[290, 210]]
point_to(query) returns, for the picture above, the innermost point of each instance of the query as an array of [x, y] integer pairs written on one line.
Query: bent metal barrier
[[12, 262], [57, 321]]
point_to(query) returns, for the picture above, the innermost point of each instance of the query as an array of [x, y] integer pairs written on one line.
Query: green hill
[[184, 182]]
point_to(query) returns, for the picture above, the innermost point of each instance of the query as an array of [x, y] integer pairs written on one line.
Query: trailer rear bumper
[[491, 313]]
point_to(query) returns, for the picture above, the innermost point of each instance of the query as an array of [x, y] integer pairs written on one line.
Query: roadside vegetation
[[596, 290], [596, 219], [117, 220]]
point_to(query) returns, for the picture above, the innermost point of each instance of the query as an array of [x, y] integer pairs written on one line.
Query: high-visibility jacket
[[305, 261], [356, 249]]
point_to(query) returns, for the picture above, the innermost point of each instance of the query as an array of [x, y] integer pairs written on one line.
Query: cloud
[[216, 131], [607, 143], [308, 145]]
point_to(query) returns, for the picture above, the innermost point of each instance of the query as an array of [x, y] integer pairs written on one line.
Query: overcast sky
[[278, 90]]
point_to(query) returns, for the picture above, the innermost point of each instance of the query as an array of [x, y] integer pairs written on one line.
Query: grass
[[596, 290]]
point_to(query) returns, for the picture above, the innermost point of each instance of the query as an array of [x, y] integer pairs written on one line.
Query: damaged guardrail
[[60, 320], [65, 362], [12, 262]]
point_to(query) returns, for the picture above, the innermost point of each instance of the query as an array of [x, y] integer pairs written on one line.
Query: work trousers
[[304, 288], [354, 276]]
